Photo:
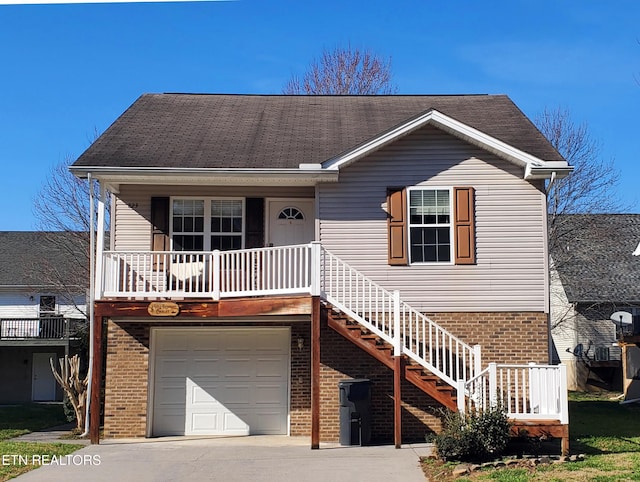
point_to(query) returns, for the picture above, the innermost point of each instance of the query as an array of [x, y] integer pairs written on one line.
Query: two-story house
[[42, 311], [265, 247]]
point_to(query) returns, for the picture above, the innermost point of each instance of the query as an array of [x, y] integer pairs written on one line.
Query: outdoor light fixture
[[300, 343]]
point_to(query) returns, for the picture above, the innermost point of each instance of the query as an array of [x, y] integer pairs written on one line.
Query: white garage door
[[220, 381]]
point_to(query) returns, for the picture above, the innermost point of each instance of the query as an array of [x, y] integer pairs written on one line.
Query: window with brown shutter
[[464, 229], [431, 225], [397, 226]]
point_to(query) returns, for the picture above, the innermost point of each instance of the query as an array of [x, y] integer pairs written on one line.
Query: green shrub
[[474, 437]]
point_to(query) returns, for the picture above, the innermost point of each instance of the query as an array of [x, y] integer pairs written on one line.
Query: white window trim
[[207, 217], [451, 225]]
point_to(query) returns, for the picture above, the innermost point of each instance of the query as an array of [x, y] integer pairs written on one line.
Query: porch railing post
[[216, 275], [493, 385], [397, 325], [564, 398], [316, 267], [461, 396], [477, 360]]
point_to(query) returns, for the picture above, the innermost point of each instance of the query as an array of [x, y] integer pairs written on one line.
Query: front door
[[291, 221], [43, 387]]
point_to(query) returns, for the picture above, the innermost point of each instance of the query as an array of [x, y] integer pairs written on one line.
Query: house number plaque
[[163, 308]]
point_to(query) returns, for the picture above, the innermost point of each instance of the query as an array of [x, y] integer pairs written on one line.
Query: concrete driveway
[[258, 458]]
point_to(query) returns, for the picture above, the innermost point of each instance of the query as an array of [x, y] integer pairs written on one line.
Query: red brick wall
[[505, 337], [126, 380], [508, 337]]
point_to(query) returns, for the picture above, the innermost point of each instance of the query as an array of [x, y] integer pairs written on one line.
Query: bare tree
[[62, 212], [592, 186], [344, 71], [73, 384]]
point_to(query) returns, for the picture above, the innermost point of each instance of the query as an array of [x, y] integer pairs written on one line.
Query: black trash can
[[355, 411]]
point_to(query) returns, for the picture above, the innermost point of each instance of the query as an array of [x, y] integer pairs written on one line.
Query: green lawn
[[19, 457], [607, 432]]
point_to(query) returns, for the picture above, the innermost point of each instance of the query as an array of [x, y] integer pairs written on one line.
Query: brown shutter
[[159, 226], [464, 225], [397, 226], [254, 237]]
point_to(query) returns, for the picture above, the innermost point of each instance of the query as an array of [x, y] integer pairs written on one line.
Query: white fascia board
[[447, 124], [127, 175]]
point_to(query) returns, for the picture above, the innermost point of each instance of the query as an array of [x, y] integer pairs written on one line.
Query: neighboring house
[[264, 248], [595, 295], [39, 319]]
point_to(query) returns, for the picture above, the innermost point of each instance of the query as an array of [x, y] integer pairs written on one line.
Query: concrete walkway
[[256, 458]]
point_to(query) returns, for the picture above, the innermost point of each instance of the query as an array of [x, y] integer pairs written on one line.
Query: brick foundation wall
[[509, 337], [126, 380], [505, 337]]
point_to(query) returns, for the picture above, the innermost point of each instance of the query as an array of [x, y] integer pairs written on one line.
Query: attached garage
[[220, 381]]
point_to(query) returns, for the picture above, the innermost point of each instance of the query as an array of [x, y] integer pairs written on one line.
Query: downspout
[[548, 270], [92, 258]]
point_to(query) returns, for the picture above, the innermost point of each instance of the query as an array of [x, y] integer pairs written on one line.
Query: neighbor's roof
[[595, 258], [283, 131], [28, 258]]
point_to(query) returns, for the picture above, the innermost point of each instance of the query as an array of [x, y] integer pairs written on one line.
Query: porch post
[[397, 401], [100, 243], [315, 372], [96, 378]]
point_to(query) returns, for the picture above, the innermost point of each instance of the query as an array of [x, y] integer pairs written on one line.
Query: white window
[[430, 226], [207, 224]]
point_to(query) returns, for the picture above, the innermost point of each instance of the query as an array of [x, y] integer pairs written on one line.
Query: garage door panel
[[209, 342], [239, 368], [268, 394], [222, 381], [269, 367], [269, 422], [172, 367], [271, 342], [204, 422], [236, 423], [205, 367]]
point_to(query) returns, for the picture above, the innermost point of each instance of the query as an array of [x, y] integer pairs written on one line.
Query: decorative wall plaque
[[163, 308]]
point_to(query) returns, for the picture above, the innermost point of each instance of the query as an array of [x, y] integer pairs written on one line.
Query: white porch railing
[[215, 274], [530, 391], [409, 331], [525, 392]]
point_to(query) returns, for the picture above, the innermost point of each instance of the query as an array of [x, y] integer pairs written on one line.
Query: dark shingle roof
[[29, 258], [282, 131], [594, 258]]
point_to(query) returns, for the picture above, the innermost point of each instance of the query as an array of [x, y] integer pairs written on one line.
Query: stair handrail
[[396, 322]]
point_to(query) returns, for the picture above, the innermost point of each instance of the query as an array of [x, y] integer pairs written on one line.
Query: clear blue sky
[[69, 70]]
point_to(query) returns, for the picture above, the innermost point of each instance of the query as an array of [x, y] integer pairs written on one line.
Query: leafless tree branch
[[344, 71]]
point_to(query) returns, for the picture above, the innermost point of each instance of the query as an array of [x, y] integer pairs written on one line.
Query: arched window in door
[[291, 213]]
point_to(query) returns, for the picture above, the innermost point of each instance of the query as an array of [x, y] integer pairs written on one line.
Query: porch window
[[207, 224], [430, 225]]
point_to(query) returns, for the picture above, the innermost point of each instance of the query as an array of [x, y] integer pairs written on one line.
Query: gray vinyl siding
[[510, 236], [132, 210]]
